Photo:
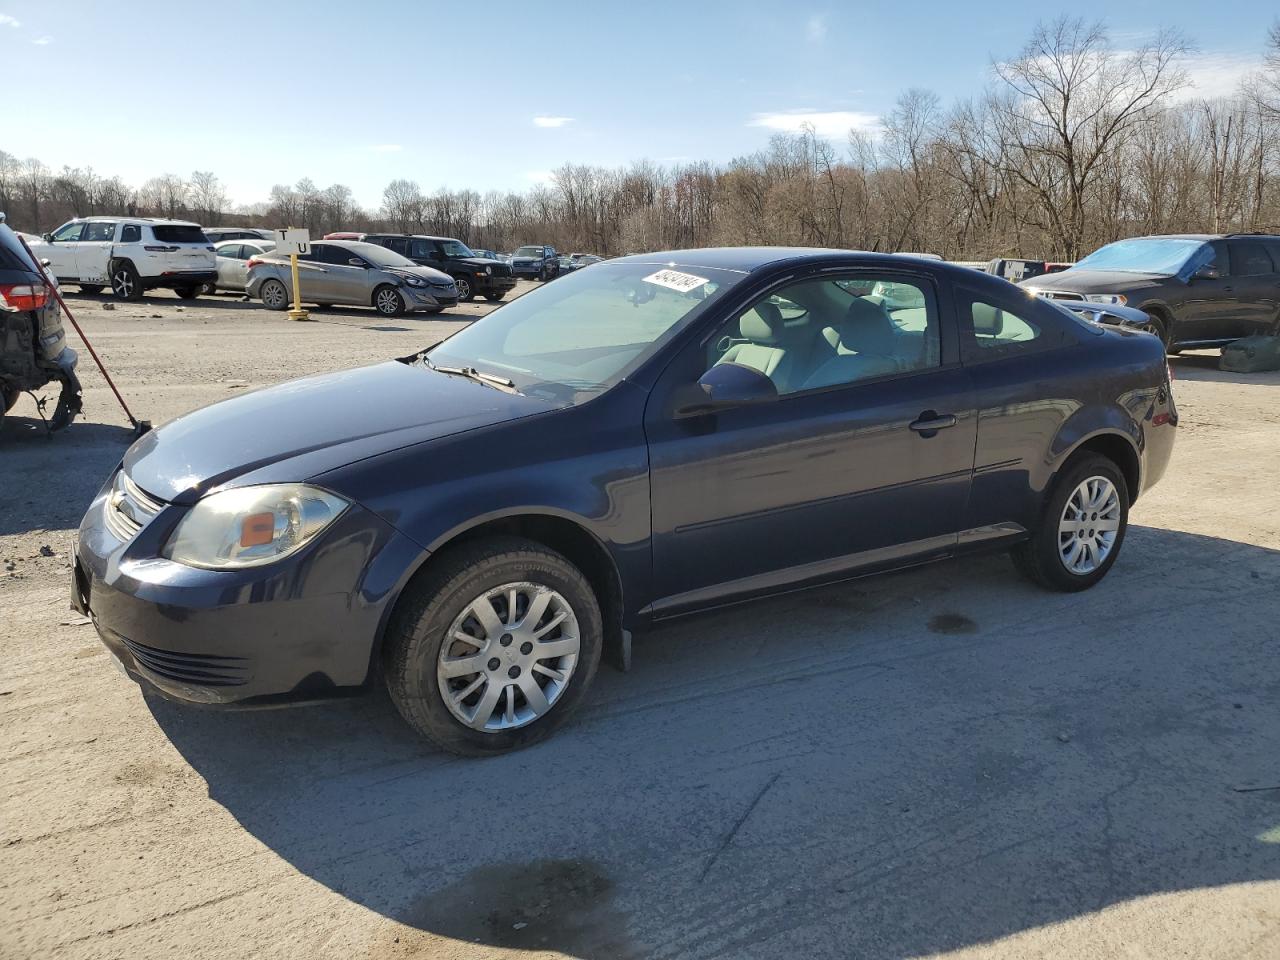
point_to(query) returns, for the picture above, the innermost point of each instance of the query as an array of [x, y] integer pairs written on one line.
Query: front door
[[1211, 310], [864, 460], [61, 250]]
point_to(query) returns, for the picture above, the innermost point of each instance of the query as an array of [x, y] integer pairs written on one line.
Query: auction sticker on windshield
[[675, 280]]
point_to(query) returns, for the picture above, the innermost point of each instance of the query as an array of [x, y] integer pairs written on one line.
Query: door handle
[[930, 423]]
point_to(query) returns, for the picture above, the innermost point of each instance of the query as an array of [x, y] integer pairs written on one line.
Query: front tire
[[1158, 326], [495, 297], [125, 282], [1082, 527], [387, 301], [493, 647], [274, 295], [187, 293], [465, 292]]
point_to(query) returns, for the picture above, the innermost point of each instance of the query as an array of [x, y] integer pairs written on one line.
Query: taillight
[[251, 263], [24, 296]]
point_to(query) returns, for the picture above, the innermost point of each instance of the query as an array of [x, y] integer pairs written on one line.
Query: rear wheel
[[1081, 529], [208, 289], [125, 282], [387, 301], [274, 294], [93, 289], [465, 292], [493, 647]]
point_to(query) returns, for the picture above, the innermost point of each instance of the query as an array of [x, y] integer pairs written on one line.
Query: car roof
[[750, 259], [151, 220]]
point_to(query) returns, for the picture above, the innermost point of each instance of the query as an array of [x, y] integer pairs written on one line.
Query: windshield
[[381, 255], [1161, 255], [456, 248], [529, 252], [575, 338]]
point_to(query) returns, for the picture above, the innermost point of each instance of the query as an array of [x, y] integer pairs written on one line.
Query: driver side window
[[826, 333], [67, 233]]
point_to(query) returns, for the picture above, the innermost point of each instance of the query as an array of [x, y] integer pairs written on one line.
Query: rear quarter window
[[177, 233], [130, 233]]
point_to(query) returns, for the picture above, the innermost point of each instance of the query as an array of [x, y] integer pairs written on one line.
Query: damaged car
[[33, 344], [478, 524]]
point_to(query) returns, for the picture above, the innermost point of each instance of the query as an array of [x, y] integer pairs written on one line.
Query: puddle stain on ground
[[561, 905], [952, 623]]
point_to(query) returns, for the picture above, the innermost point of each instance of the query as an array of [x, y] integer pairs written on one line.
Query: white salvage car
[[131, 255]]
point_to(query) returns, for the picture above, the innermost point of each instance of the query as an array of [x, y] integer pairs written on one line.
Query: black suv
[[1197, 290], [536, 261], [473, 274]]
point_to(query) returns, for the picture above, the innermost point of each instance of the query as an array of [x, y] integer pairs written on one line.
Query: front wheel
[[274, 295], [495, 297], [465, 292], [187, 293], [1082, 528], [493, 647], [1158, 327], [388, 302]]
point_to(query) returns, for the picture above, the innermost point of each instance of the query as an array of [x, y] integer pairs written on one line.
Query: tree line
[[1074, 143]]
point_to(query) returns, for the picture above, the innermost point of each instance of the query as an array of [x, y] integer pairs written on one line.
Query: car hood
[[302, 428], [480, 262], [1094, 281], [424, 273]]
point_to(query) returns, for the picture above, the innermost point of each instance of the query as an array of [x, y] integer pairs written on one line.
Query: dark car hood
[[480, 262], [1094, 281], [305, 427]]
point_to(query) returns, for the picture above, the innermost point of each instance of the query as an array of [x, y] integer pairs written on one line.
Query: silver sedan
[[233, 262]]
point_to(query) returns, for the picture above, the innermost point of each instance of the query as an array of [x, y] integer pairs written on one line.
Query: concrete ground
[[941, 762]]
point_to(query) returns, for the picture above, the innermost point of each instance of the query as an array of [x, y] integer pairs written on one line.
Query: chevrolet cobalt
[[478, 524]]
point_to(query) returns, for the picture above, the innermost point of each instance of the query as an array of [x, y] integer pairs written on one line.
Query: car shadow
[[887, 767], [1203, 365]]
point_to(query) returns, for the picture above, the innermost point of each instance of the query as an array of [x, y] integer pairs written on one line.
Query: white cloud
[[815, 28], [8, 21], [386, 148], [828, 123], [1216, 74], [42, 41], [551, 121]]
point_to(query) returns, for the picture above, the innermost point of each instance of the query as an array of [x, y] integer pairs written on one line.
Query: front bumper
[[527, 270], [300, 629], [425, 298]]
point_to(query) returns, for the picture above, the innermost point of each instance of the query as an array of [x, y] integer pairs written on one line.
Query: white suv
[[131, 254]]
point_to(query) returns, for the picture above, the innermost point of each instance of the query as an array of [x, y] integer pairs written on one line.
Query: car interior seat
[[864, 344], [767, 347]]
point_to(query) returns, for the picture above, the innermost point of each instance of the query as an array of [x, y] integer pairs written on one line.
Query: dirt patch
[[952, 623]]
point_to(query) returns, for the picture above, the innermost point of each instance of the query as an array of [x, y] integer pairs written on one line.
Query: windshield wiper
[[471, 373]]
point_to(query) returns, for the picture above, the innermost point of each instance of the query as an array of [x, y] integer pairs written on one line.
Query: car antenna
[[139, 426]]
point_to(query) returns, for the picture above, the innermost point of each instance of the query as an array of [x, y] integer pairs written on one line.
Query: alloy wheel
[[508, 657], [274, 295], [387, 301], [1089, 525], [464, 289], [122, 284]]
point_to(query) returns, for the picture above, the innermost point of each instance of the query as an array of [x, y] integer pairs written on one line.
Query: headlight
[[414, 281], [1115, 298], [251, 526]]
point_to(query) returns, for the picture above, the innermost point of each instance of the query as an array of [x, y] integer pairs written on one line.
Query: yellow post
[[297, 313]]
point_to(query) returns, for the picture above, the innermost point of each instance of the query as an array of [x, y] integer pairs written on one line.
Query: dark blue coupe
[[480, 523]]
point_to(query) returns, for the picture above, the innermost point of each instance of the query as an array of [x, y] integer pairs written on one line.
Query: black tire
[[544, 274], [1159, 326], [8, 398], [125, 282], [439, 596], [495, 297], [187, 293], [1040, 558], [465, 290], [93, 289], [208, 289], [387, 301], [274, 295]]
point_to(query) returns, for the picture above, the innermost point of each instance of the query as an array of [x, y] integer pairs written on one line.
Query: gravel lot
[[941, 761]]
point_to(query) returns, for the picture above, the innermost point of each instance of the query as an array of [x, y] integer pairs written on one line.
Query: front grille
[[200, 668], [501, 270], [129, 508]]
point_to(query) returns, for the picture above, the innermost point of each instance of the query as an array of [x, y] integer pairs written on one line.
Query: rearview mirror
[[728, 385]]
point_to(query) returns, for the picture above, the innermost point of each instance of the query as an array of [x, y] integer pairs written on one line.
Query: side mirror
[[357, 262], [727, 385], [1207, 272], [47, 237]]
